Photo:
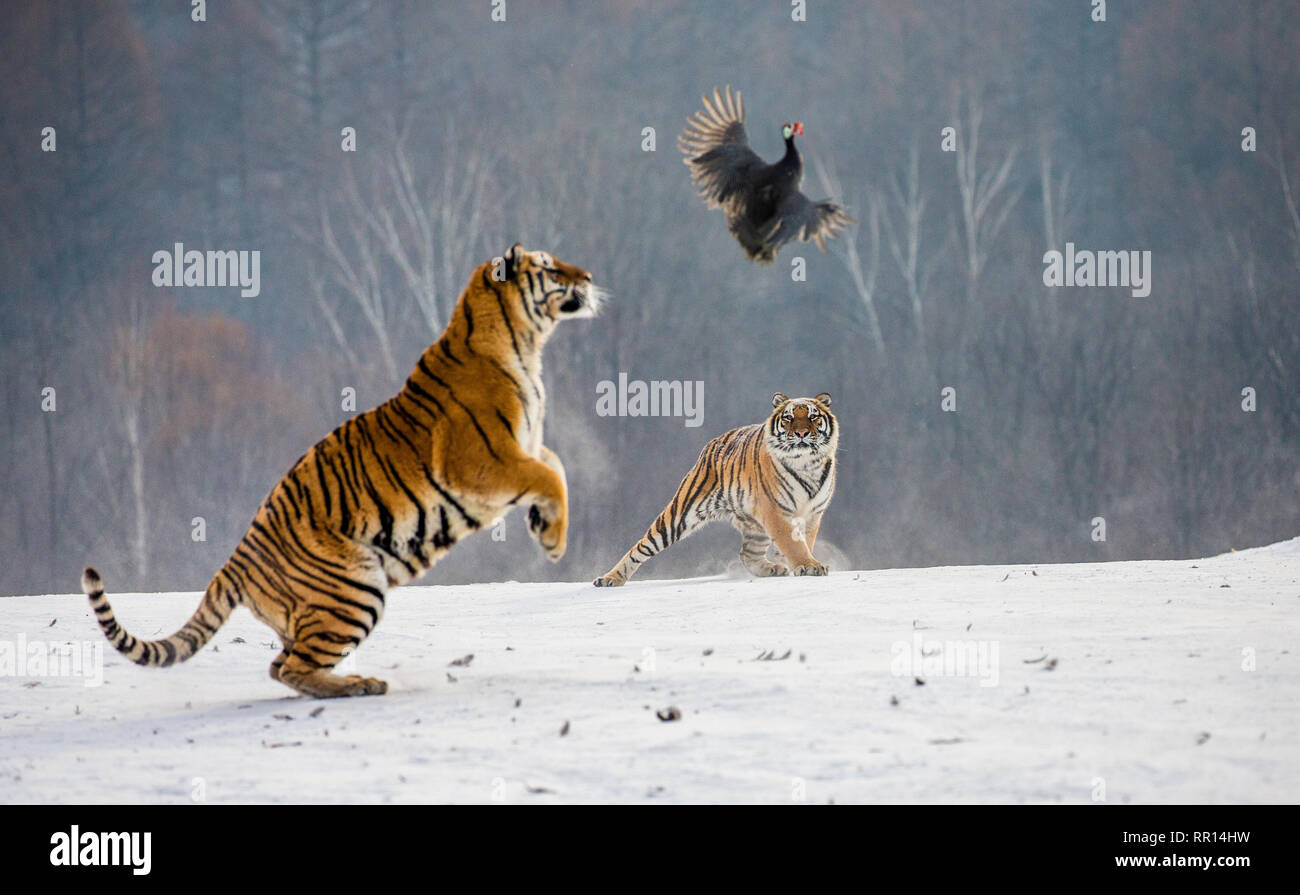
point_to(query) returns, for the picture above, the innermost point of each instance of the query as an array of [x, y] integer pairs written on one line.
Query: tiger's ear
[[824, 398], [511, 259], [778, 399]]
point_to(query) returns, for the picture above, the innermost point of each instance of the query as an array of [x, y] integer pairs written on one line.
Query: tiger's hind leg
[[667, 530], [693, 506], [306, 667], [278, 662], [753, 553], [340, 602]]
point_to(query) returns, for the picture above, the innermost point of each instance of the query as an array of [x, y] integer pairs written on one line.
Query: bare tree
[[987, 194], [862, 271], [354, 257], [1278, 162], [312, 33], [905, 238], [1274, 332], [1058, 210], [130, 352], [401, 236]]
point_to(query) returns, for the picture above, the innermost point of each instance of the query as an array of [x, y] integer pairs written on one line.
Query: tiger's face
[[802, 427], [550, 289]]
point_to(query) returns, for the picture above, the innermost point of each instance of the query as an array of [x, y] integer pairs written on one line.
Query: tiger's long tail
[[211, 615]]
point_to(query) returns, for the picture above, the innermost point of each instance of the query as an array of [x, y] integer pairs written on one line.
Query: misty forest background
[[1072, 403]]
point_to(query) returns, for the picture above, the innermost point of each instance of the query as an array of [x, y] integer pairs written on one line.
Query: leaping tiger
[[772, 481], [381, 498]]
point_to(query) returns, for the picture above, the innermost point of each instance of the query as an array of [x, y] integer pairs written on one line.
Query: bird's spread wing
[[798, 218], [717, 148]]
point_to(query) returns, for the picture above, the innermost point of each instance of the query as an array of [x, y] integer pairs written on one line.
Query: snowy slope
[[1142, 691]]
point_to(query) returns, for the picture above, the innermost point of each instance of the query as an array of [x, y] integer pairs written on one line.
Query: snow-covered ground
[[1123, 682]]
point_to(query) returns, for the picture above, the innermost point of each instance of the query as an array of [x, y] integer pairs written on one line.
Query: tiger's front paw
[[548, 530], [812, 568], [774, 570], [610, 580]]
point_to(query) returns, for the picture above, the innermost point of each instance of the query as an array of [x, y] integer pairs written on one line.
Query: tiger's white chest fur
[[532, 395], [530, 428]]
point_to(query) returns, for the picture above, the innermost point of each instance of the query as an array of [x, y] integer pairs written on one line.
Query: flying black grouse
[[762, 202]]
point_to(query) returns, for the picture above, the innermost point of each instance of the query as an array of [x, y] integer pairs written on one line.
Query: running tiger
[[772, 481], [381, 498]]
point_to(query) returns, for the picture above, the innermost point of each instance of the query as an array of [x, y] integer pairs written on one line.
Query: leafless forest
[[174, 410]]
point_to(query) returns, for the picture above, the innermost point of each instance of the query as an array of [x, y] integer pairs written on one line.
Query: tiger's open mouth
[[583, 300]]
